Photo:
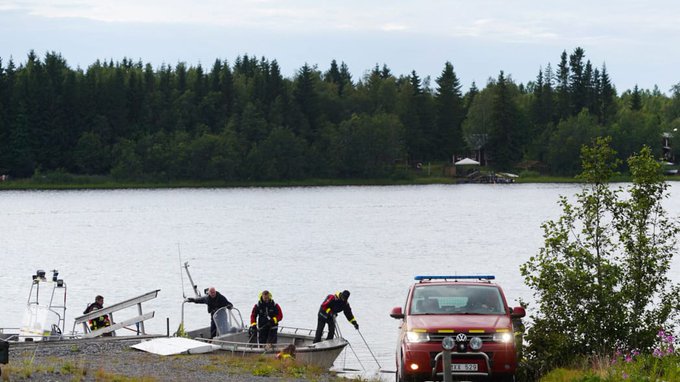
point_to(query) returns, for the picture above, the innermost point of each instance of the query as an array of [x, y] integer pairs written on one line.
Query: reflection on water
[[299, 243]]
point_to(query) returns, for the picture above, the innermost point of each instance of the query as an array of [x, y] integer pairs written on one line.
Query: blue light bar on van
[[466, 277]]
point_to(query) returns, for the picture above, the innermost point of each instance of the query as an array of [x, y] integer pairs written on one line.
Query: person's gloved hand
[[251, 330], [189, 299], [356, 325], [230, 306], [272, 322]]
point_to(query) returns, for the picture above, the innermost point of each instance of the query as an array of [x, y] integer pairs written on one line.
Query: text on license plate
[[464, 367]]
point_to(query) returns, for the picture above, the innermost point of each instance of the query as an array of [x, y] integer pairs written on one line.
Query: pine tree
[[345, 77], [563, 92], [505, 138], [607, 106], [415, 83], [635, 99], [470, 96], [307, 101], [577, 81], [449, 114]]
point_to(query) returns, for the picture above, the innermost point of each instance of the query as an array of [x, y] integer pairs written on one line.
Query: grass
[[263, 366], [433, 174], [54, 366], [638, 368], [219, 364]]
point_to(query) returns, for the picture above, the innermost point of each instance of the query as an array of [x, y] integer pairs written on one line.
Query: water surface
[[299, 243]]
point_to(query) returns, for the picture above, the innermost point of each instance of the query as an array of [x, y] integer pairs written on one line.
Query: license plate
[[464, 367]]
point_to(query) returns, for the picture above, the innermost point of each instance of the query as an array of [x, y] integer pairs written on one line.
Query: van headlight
[[503, 337], [417, 337]]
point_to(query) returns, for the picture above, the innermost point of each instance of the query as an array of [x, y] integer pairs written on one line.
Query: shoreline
[[112, 359], [98, 184]]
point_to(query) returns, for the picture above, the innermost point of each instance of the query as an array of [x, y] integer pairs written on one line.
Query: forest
[[243, 121]]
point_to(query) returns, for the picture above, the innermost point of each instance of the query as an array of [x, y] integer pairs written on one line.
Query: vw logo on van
[[461, 337]]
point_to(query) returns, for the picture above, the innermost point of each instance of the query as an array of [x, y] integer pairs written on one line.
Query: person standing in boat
[[215, 300], [101, 321], [264, 320], [330, 307]]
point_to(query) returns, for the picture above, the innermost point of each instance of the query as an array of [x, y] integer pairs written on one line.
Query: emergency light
[[464, 277]]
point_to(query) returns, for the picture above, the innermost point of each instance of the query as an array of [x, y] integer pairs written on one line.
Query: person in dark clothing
[[264, 320], [330, 307], [101, 321], [214, 300]]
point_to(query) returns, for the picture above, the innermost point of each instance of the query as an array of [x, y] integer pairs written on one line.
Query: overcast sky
[[639, 41]]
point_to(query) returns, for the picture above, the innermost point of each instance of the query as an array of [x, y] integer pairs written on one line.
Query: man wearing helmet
[[330, 307], [264, 320]]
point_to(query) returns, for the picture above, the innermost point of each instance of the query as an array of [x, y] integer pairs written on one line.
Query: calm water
[[300, 243]]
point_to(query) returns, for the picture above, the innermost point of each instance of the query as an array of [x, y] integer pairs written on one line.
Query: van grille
[[438, 337]]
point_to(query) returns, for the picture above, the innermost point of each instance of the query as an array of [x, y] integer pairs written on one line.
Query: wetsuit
[[268, 315], [330, 307], [99, 322]]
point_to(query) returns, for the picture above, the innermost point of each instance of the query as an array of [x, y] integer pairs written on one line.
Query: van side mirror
[[517, 312], [397, 313]]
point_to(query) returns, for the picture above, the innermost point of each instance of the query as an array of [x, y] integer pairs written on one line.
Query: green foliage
[[600, 280], [506, 136], [125, 119]]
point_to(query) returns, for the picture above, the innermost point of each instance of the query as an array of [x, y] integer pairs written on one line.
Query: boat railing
[[243, 346], [240, 346], [109, 310], [13, 334], [300, 331]]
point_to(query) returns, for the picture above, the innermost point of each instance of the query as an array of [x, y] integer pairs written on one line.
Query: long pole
[[369, 349], [181, 272], [337, 328], [180, 329]]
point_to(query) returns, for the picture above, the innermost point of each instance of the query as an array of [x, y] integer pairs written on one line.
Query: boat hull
[[321, 354]]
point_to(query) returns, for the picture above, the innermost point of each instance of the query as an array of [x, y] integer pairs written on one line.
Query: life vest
[[264, 311], [99, 322]]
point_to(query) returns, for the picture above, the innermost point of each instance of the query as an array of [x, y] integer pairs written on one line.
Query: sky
[[638, 41]]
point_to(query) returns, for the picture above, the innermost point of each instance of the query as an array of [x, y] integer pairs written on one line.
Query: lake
[[299, 243]]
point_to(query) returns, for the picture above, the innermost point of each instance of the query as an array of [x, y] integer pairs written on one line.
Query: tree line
[[246, 121]]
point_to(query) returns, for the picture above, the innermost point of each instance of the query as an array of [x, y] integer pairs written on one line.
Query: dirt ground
[[114, 360]]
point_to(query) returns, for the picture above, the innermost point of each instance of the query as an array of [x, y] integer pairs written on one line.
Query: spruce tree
[[562, 89], [450, 114], [577, 81], [635, 99], [505, 138]]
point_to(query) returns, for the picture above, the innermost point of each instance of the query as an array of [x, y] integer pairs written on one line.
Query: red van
[[473, 312]]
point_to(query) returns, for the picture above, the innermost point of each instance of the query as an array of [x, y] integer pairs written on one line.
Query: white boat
[[45, 315], [232, 336]]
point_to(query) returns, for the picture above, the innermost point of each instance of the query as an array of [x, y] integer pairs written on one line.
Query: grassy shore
[[85, 182], [112, 359], [623, 368]]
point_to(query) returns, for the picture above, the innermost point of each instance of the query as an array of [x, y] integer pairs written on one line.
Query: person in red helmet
[[264, 320], [330, 307]]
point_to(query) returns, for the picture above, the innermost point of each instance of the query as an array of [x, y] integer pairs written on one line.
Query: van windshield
[[459, 299]]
